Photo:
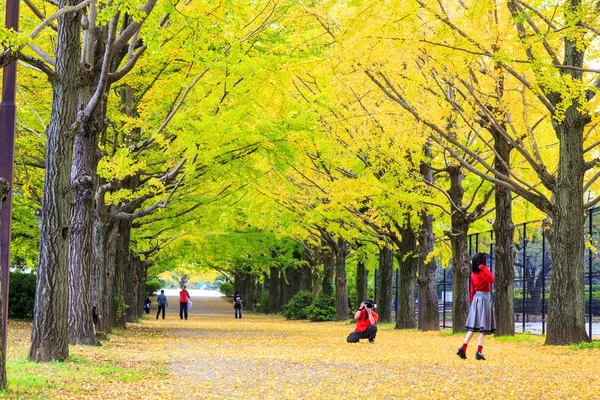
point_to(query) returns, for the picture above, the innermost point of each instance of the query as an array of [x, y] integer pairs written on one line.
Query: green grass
[[595, 344], [521, 337]]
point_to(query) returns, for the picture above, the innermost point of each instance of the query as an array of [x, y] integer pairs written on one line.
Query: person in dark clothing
[[481, 314], [162, 302], [237, 304], [366, 323], [147, 303]]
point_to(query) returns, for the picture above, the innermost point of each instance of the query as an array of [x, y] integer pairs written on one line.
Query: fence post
[[590, 275], [543, 281], [524, 270], [477, 242]]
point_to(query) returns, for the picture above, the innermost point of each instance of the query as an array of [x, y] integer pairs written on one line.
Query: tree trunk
[[460, 257], [122, 273], [407, 264], [426, 280], [273, 289], [385, 300], [504, 232], [566, 312], [83, 180], [50, 329], [328, 269], [103, 271], [341, 281], [362, 283], [306, 283]]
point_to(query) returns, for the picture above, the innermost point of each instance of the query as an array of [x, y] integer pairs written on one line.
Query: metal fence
[[533, 266]]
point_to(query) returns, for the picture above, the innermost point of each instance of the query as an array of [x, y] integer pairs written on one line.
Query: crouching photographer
[[366, 323]]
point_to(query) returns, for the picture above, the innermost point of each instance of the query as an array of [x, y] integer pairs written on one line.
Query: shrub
[[21, 296], [152, 288], [297, 307], [322, 309], [226, 288]]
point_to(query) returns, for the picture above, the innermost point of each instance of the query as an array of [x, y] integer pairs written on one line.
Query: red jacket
[[363, 321], [184, 296], [481, 282]]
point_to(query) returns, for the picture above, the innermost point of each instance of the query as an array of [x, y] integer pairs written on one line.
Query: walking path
[[214, 356]]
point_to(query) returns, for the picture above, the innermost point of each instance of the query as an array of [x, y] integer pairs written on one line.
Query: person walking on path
[[184, 297], [237, 304], [366, 323], [147, 303], [162, 302], [481, 314]]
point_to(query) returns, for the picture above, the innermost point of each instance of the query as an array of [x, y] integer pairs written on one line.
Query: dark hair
[[478, 259], [162, 291]]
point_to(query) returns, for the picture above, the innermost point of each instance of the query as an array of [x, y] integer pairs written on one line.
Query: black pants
[[370, 334], [183, 310], [238, 311], [147, 310], [163, 311]]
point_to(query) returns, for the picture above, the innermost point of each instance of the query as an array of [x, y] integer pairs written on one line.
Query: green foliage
[[595, 344], [21, 296], [520, 337], [152, 288], [226, 288], [298, 306], [121, 306], [263, 302], [322, 309]]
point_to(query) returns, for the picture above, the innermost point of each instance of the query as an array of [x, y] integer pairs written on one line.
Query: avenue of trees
[[299, 146]]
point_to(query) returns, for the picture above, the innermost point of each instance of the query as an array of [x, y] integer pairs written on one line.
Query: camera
[[368, 304]]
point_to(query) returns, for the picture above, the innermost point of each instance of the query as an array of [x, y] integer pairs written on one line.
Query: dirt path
[[214, 356]]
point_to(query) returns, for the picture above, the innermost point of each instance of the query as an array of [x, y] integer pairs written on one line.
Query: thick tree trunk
[[426, 280], [407, 263], [362, 283], [504, 231], [50, 330], [460, 257], [385, 299], [306, 280], [430, 318], [83, 180], [566, 305], [122, 273], [341, 281], [103, 271]]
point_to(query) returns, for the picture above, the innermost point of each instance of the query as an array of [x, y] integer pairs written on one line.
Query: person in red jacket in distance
[[184, 297], [481, 314]]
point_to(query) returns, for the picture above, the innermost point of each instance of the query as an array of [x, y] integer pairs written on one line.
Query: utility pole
[[7, 156]]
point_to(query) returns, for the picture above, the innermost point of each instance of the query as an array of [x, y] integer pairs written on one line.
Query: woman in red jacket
[[481, 314], [184, 297]]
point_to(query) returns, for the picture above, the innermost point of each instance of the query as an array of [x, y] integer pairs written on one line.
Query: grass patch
[[520, 337], [116, 369], [595, 344]]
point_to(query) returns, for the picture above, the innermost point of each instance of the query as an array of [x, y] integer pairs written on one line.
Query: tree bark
[[385, 299], [426, 280], [273, 290], [122, 273], [504, 232], [341, 280], [328, 259], [50, 330], [103, 271], [362, 283], [460, 257], [407, 264]]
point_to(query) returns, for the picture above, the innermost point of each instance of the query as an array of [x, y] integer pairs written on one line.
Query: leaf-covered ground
[[214, 356]]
